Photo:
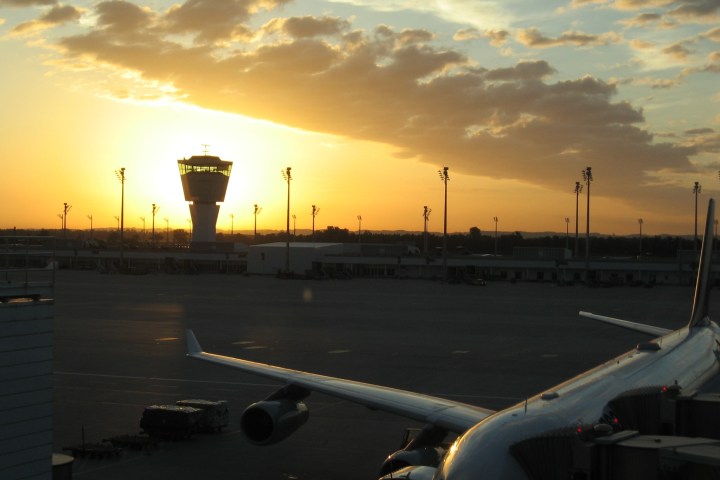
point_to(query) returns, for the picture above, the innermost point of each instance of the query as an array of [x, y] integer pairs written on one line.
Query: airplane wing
[[453, 416], [637, 327]]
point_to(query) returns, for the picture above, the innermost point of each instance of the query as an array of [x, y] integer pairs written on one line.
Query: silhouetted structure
[[204, 180]]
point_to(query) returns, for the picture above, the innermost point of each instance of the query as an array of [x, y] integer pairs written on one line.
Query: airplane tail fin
[[702, 285], [193, 346]]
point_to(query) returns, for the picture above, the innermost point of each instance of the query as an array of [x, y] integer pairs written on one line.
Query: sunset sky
[[365, 100]]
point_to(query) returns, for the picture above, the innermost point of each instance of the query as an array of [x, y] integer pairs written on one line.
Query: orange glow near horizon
[[76, 112], [343, 177]]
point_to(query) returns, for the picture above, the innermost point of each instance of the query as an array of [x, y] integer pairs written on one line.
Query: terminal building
[[26, 360], [204, 180]]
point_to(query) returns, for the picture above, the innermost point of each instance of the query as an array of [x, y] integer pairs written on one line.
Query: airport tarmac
[[119, 347]]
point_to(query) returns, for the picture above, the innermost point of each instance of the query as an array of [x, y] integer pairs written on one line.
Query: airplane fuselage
[[687, 357]]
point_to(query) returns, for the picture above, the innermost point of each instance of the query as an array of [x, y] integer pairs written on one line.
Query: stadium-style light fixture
[[445, 178]]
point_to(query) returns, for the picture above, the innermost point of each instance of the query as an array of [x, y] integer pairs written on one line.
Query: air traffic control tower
[[204, 180]]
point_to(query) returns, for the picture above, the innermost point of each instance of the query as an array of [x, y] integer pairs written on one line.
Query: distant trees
[[472, 242]]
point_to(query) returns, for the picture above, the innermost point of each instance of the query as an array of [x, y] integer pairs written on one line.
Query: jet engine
[[423, 456], [426, 449], [275, 418]]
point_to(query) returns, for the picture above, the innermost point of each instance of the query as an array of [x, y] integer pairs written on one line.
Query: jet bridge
[[653, 433]]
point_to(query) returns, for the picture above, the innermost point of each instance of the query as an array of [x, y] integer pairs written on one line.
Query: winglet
[[702, 285], [637, 327], [193, 346]]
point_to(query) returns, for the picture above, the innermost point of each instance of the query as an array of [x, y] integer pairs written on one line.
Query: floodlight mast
[[66, 209], [496, 238], [567, 233], [288, 177], [697, 188], [155, 209], [588, 178], [426, 217], [578, 189], [120, 174], [640, 223], [315, 211], [90, 217], [444, 177], [359, 217], [256, 211]]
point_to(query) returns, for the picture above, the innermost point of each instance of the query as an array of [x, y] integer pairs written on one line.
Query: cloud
[[497, 37], [215, 20], [677, 51], [712, 34], [637, 44], [480, 14], [696, 10], [523, 71], [431, 103], [704, 140], [531, 37], [57, 15], [26, 3], [464, 34], [657, 83], [120, 17], [647, 20], [670, 11], [307, 26]]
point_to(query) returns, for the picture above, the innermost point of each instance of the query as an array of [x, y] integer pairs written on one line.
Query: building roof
[[203, 160], [307, 245]]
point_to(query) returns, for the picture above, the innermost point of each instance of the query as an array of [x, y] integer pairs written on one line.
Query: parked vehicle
[[216, 414], [171, 421]]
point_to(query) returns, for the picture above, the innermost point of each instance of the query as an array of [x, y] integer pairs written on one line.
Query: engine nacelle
[[423, 456], [271, 421]]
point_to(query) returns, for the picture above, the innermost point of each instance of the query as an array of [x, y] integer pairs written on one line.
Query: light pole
[[315, 211], [142, 219], [588, 178], [567, 233], [294, 224], [66, 209], [255, 213], [89, 217], [697, 188], [359, 217], [288, 177], [117, 219], [167, 230], [496, 242], [444, 177], [640, 223], [120, 174], [426, 218], [155, 209], [232, 224], [62, 221], [578, 189]]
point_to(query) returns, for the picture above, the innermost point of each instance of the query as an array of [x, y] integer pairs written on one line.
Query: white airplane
[[489, 443]]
